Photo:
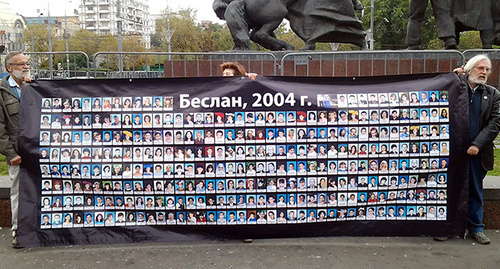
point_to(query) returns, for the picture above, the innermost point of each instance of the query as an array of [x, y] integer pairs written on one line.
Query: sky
[[29, 7]]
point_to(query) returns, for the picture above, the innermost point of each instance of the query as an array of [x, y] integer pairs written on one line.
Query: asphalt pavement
[[317, 252]]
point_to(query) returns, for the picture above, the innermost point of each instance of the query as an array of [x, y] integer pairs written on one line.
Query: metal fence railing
[[494, 55], [57, 65], [369, 63], [66, 65], [158, 64]]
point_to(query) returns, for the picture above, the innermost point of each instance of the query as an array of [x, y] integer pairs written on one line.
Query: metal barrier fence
[[494, 55], [58, 65], [333, 64], [369, 63], [164, 64]]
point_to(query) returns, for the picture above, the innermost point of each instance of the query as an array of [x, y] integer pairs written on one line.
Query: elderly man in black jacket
[[484, 118]]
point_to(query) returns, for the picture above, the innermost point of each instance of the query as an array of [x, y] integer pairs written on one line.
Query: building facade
[[58, 24], [102, 16], [11, 28]]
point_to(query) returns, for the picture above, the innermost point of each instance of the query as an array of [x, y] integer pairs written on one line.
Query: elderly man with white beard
[[10, 88], [484, 121]]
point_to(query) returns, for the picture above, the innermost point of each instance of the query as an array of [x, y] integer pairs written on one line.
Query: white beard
[[21, 74], [476, 80]]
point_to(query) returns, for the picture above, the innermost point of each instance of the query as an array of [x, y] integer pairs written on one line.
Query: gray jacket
[[9, 120]]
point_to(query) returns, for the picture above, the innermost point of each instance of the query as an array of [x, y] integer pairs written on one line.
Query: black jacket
[[489, 125]]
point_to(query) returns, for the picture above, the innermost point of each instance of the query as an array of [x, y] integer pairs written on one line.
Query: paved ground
[[321, 252], [336, 252]]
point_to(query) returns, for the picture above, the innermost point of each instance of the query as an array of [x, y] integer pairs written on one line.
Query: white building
[[11, 28], [101, 17]]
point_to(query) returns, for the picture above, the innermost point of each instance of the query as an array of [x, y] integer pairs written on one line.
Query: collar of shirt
[[13, 83], [15, 88], [474, 89]]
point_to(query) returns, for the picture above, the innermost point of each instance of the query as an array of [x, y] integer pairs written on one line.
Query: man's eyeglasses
[[482, 69], [21, 64]]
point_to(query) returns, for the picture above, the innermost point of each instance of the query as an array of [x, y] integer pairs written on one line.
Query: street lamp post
[[170, 32], [119, 30], [50, 42], [372, 29], [66, 35]]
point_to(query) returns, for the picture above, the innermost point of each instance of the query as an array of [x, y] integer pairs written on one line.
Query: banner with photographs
[[113, 161]]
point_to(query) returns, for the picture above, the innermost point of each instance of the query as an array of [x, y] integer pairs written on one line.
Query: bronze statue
[[312, 20], [332, 21], [444, 22], [477, 15], [496, 20]]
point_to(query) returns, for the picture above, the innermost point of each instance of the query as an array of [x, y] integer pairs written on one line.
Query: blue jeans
[[475, 205]]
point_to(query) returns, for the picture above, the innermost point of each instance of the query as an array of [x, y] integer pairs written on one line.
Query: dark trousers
[[441, 10], [475, 205]]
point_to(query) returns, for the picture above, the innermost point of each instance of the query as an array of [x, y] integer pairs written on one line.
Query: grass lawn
[[496, 165], [4, 170]]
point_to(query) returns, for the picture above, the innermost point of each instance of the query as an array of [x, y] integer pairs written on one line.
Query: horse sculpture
[[312, 20]]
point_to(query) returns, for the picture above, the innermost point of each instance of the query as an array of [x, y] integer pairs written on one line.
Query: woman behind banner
[[231, 69]]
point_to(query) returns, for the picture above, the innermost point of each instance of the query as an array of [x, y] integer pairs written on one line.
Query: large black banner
[[114, 161]]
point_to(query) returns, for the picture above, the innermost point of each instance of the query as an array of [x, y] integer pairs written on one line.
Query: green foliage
[[496, 164], [347, 47], [390, 23], [435, 44], [187, 35], [390, 19], [4, 169], [215, 37], [181, 27], [36, 38], [287, 35], [470, 40]]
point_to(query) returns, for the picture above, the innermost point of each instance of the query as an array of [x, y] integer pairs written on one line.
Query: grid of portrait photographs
[[119, 161]]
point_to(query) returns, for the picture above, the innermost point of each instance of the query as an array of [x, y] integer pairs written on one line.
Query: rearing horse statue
[[312, 20]]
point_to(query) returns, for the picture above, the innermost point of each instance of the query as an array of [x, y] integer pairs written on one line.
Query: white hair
[[475, 60]]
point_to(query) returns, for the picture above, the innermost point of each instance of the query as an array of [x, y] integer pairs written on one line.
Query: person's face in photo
[[262, 215]]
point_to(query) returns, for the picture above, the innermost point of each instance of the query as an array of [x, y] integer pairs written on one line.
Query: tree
[[36, 38], [108, 42], [132, 61], [283, 32], [390, 20], [85, 41], [183, 30], [470, 40], [215, 37]]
